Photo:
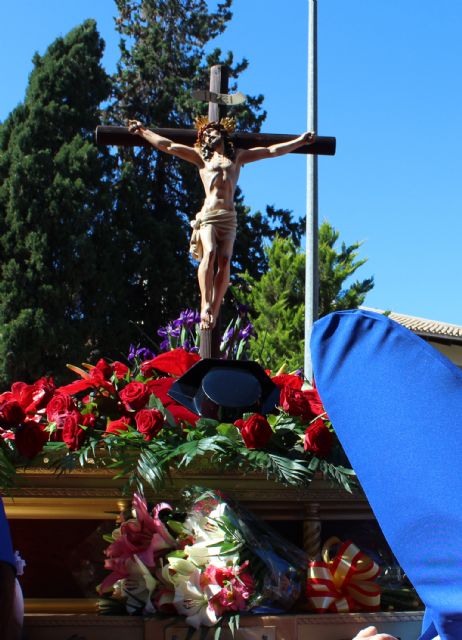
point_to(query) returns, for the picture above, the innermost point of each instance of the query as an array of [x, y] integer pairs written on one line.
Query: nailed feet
[[207, 320]]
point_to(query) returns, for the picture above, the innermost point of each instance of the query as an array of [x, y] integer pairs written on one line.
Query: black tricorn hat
[[225, 389]]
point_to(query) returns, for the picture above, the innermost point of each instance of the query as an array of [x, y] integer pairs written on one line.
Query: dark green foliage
[[277, 303], [253, 230], [277, 298], [50, 201]]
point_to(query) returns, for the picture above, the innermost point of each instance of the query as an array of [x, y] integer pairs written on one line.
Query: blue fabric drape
[[396, 405], [6, 548]]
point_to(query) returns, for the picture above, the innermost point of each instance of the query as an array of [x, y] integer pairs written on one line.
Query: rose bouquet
[[120, 415], [210, 561]]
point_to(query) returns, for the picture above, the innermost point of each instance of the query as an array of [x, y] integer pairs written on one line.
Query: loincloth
[[223, 222]]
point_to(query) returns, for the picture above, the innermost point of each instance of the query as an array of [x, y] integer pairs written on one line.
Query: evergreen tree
[[335, 268], [51, 199], [277, 298], [253, 233]]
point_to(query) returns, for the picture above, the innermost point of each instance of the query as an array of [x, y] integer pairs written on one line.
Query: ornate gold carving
[[61, 605], [362, 618], [92, 493]]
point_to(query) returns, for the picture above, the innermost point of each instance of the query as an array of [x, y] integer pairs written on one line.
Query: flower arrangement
[[212, 561], [119, 415]]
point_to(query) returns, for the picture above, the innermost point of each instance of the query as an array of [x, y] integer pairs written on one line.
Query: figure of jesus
[[214, 228]]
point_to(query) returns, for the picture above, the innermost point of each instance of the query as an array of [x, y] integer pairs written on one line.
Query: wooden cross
[[218, 99]]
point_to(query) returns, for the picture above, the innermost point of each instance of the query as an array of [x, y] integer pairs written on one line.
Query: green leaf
[[175, 526], [108, 538], [177, 554], [228, 430], [150, 469], [169, 417], [340, 475], [290, 472], [190, 450], [207, 423], [155, 403]]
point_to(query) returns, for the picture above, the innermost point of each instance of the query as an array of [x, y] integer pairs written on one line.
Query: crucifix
[[218, 154]]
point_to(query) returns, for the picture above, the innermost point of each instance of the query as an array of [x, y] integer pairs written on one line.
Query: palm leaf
[[341, 475], [150, 469], [190, 450]]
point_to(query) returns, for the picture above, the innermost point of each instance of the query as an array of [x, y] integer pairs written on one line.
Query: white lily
[[205, 527], [138, 587], [203, 554], [192, 600], [181, 566]]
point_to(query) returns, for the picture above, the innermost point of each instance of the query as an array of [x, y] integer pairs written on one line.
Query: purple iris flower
[[145, 354], [227, 336], [139, 352], [165, 345], [188, 318], [173, 331], [246, 332]]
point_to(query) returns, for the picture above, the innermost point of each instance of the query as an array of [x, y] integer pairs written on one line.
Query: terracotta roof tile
[[423, 326]]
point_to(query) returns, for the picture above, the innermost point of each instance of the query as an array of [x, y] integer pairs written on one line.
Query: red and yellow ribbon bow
[[345, 582]]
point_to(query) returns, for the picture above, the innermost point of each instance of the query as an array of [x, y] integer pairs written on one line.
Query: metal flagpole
[[311, 268]]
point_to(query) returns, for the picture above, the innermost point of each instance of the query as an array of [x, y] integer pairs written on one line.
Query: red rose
[[315, 402], [120, 369], [30, 440], [135, 396], [73, 435], [147, 368], [293, 401], [149, 422], [306, 404], [318, 439], [116, 426], [88, 420], [255, 431], [59, 405], [11, 413]]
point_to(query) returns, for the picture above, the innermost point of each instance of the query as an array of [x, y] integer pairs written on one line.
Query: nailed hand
[[134, 126]]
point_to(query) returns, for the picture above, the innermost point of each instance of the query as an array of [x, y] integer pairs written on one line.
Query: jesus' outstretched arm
[[166, 145], [275, 150]]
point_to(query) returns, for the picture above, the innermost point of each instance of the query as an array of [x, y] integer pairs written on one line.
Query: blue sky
[[389, 91]]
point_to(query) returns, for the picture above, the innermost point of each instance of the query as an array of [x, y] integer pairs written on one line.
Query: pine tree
[[51, 200], [276, 299]]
